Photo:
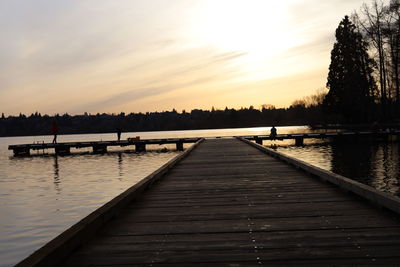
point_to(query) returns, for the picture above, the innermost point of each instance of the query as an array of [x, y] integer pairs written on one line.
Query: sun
[[254, 26], [259, 28]]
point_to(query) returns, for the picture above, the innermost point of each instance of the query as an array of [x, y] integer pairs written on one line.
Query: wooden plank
[[326, 237], [259, 224]]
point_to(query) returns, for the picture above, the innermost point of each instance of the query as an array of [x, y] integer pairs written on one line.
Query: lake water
[[41, 196], [373, 163]]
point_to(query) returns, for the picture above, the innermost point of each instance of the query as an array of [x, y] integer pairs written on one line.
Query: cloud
[[191, 68], [57, 38], [317, 45]]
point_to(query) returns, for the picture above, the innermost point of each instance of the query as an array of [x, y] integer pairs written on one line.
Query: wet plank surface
[[228, 204]]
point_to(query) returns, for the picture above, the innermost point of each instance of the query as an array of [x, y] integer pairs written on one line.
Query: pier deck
[[228, 204]]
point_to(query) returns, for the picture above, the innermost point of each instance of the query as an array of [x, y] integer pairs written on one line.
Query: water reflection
[[385, 168], [56, 174], [352, 160], [120, 172], [372, 163]]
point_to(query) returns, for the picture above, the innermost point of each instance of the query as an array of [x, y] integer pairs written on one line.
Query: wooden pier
[[98, 146], [230, 204], [299, 137]]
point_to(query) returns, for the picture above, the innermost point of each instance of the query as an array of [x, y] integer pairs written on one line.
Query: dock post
[[140, 147], [21, 151], [179, 146], [299, 141], [258, 140], [62, 150], [98, 149]]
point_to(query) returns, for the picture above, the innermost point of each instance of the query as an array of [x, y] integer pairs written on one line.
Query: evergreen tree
[[350, 80]]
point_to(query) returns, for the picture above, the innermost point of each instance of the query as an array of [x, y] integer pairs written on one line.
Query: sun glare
[[258, 27], [242, 25]]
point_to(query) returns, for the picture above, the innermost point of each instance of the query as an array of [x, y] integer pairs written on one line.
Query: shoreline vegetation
[[197, 119]]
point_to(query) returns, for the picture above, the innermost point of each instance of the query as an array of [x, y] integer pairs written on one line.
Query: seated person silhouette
[[273, 133]]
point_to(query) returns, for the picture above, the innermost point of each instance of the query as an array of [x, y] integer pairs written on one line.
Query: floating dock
[[299, 137], [98, 146], [230, 202]]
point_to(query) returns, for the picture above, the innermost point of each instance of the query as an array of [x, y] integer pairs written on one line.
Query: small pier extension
[[229, 204], [98, 146], [299, 137]]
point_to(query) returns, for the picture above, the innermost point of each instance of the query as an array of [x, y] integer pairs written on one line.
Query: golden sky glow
[[153, 55]]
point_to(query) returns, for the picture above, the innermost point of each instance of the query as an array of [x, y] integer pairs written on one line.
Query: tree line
[[267, 115]]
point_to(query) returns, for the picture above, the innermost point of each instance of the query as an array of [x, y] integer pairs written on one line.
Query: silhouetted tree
[[394, 11], [380, 25], [350, 75], [374, 32]]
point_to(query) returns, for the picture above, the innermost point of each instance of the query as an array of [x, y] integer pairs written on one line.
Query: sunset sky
[[94, 56]]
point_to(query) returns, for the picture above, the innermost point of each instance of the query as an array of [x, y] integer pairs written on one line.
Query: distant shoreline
[[143, 131]]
